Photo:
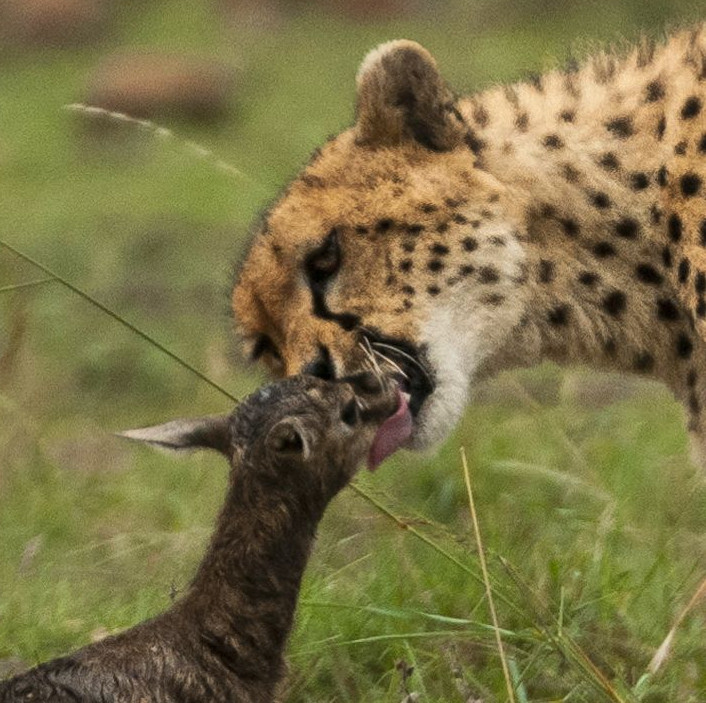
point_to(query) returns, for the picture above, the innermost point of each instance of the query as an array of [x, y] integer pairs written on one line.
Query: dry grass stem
[[192, 148], [486, 579], [665, 649]]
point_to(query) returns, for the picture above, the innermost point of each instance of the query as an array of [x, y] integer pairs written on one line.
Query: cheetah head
[[392, 249]]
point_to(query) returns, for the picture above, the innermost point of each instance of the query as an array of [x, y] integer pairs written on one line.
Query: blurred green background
[[592, 515]]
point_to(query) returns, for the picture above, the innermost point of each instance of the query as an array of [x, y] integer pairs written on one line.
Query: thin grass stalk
[[486, 579], [158, 131], [28, 284], [118, 318]]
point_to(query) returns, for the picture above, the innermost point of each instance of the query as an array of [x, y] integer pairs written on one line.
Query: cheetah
[[444, 239]]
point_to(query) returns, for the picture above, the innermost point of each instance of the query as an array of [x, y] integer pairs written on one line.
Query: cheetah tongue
[[392, 434]]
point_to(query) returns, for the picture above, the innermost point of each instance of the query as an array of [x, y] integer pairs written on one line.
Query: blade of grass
[[664, 651], [136, 330], [486, 580], [28, 284]]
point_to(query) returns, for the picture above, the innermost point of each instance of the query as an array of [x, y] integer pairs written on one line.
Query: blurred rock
[[369, 10], [51, 23], [163, 85], [253, 14]]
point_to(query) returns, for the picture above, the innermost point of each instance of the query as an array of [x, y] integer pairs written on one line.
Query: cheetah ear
[[402, 96]]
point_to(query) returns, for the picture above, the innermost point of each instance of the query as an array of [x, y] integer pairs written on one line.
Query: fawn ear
[[288, 437], [212, 432], [402, 97]]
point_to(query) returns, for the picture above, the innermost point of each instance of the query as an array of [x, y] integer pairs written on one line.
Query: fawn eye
[[349, 414], [325, 261]]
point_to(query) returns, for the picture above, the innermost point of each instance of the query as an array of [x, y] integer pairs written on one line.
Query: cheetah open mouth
[[407, 365]]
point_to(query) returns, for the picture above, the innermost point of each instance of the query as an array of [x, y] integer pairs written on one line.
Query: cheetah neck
[[598, 160]]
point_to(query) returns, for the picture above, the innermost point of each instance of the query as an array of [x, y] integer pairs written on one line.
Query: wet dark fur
[[224, 640]]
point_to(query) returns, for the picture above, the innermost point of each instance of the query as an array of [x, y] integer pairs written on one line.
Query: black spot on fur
[[662, 176], [702, 143], [702, 233], [558, 315], [408, 290], [466, 270], [615, 303], [480, 116], [600, 200], [433, 290], [654, 91], [603, 250], [546, 271], [691, 108], [644, 362], [701, 308], [684, 270], [620, 127], [571, 175], [488, 274], [428, 207], [409, 247], [684, 346], [675, 227], [700, 282], [406, 265], [522, 121], [627, 228], [469, 243], [567, 115], [667, 310], [435, 265], [667, 257], [571, 227], [639, 181], [655, 214], [690, 184], [680, 148], [414, 229], [553, 141], [588, 278], [648, 274], [384, 225], [459, 219], [609, 161], [694, 405], [439, 249], [494, 299], [442, 227], [661, 128]]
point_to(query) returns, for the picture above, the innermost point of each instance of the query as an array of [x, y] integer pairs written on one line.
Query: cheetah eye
[[325, 261]]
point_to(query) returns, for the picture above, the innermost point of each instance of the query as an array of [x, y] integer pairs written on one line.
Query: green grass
[[593, 518]]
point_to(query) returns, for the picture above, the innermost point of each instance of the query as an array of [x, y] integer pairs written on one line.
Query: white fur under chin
[[460, 334], [453, 364]]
